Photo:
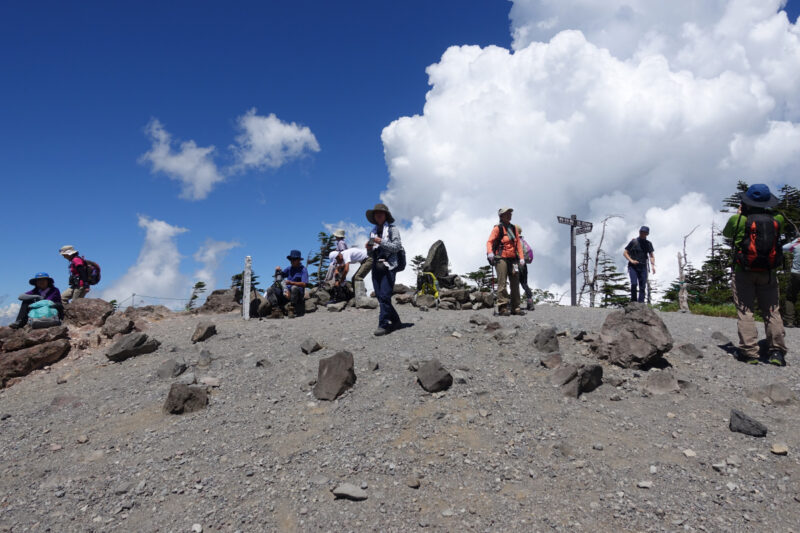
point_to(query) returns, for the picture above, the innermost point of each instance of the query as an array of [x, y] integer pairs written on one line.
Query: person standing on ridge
[[384, 246], [756, 232], [504, 251], [638, 252], [78, 275]]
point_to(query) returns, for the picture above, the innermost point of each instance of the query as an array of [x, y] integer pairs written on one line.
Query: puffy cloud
[[210, 255], [8, 313], [630, 113], [268, 142], [157, 269], [193, 166]]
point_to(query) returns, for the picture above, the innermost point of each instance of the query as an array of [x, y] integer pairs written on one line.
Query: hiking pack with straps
[[526, 248], [428, 284], [401, 256], [759, 250], [92, 271]]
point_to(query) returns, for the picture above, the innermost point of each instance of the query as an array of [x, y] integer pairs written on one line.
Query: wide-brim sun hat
[[339, 233], [68, 250], [759, 195], [504, 210], [294, 254], [379, 207], [40, 275]]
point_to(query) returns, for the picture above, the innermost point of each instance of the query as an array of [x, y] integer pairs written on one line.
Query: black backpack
[[500, 235], [760, 250]]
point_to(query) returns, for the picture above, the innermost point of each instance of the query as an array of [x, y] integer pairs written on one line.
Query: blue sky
[[81, 82]]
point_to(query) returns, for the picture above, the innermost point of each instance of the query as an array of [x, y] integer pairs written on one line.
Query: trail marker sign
[[576, 227]]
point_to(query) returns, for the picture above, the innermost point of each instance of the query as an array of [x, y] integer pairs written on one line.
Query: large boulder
[[335, 375], [433, 376], [222, 301], [24, 338], [87, 312], [634, 337], [117, 324], [741, 423], [23, 362], [437, 261], [546, 339], [131, 345], [203, 331]]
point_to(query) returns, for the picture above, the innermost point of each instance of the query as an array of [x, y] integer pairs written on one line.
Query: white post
[[248, 272]]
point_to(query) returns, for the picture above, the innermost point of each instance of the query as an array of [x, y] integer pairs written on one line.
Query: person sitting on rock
[[43, 289], [341, 245], [78, 275], [295, 280]]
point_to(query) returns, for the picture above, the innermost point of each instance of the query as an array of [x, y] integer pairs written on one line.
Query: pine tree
[[416, 264], [614, 287], [237, 280], [320, 258], [482, 278], [197, 290]]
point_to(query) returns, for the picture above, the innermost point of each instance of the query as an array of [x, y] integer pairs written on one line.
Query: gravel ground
[[85, 446]]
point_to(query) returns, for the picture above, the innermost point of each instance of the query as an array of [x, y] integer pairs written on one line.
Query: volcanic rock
[[203, 331], [183, 399], [23, 362], [87, 312], [117, 324], [335, 375], [633, 337], [741, 423], [131, 345], [433, 377]]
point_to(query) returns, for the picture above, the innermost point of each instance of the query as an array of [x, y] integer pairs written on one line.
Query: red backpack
[[760, 250]]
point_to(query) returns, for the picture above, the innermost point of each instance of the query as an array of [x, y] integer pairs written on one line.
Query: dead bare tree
[[683, 260], [590, 273]]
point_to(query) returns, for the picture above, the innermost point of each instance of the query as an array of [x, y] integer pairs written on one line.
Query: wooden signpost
[[246, 279], [576, 227]]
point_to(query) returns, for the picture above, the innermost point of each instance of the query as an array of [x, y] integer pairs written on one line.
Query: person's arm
[[391, 243], [627, 256], [732, 226], [303, 279], [653, 262], [490, 244], [790, 246]]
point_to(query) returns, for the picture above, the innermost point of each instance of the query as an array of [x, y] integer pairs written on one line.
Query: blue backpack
[[42, 309]]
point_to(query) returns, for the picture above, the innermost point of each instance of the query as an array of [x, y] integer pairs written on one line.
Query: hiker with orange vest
[[756, 232], [504, 251]]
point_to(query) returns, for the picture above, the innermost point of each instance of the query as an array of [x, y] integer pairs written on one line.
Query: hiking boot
[[518, 312], [744, 358], [531, 307], [380, 332], [15, 325], [776, 358], [503, 311]]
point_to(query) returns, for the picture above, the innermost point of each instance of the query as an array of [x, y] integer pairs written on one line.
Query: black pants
[[523, 280], [277, 298], [24, 308]]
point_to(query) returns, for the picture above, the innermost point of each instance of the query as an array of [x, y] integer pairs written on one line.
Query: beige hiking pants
[[505, 272], [747, 287], [73, 294]]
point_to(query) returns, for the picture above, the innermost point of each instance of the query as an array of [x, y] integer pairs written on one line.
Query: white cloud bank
[[266, 142], [193, 166], [8, 313], [621, 107], [210, 255]]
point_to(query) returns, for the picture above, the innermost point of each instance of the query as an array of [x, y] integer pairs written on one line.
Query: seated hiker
[[341, 245], [78, 275], [43, 289], [295, 281]]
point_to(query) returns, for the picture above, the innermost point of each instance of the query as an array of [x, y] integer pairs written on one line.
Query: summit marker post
[[576, 227], [246, 278]]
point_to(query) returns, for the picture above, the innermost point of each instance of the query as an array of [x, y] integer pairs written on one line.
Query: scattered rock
[[459, 376], [661, 382], [335, 375], [433, 377], [310, 346], [689, 453], [779, 449], [425, 300], [337, 307], [183, 399], [633, 337], [87, 312], [590, 377], [349, 492], [117, 324], [188, 378], [82, 439], [645, 484], [203, 331], [23, 362], [413, 482], [209, 381], [720, 337], [372, 366], [552, 360], [131, 345], [776, 393], [170, 369], [546, 340], [493, 326], [563, 375], [741, 423], [691, 351]]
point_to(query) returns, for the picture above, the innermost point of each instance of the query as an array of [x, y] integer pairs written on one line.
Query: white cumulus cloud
[[193, 166], [268, 142], [210, 255], [157, 269], [8, 313], [623, 107]]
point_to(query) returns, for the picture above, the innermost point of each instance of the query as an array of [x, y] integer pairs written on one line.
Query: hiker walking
[[384, 247], [638, 252], [78, 274], [756, 231], [341, 245], [43, 289], [504, 251], [295, 281], [790, 316]]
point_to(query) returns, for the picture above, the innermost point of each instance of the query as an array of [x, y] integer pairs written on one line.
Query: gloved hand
[[490, 258], [522, 263]]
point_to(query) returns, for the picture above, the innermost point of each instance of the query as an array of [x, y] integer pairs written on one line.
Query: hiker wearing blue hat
[[756, 232], [638, 252], [295, 281], [43, 289]]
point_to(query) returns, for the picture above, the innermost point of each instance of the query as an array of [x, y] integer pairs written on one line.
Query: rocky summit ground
[[86, 446]]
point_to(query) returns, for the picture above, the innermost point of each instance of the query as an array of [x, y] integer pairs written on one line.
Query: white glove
[[490, 258], [522, 263]]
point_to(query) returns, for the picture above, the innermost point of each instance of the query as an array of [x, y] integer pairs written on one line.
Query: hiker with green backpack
[[505, 252], [756, 232]]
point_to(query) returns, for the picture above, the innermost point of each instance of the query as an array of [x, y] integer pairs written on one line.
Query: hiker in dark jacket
[[43, 289], [295, 278], [639, 254], [383, 247], [760, 284], [78, 275]]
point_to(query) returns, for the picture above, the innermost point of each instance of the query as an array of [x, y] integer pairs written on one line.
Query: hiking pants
[[505, 272], [747, 286], [790, 317], [363, 270], [73, 293], [383, 283], [638, 274], [297, 296], [523, 281]]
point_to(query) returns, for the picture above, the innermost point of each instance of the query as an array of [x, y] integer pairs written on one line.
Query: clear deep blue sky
[[81, 80]]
